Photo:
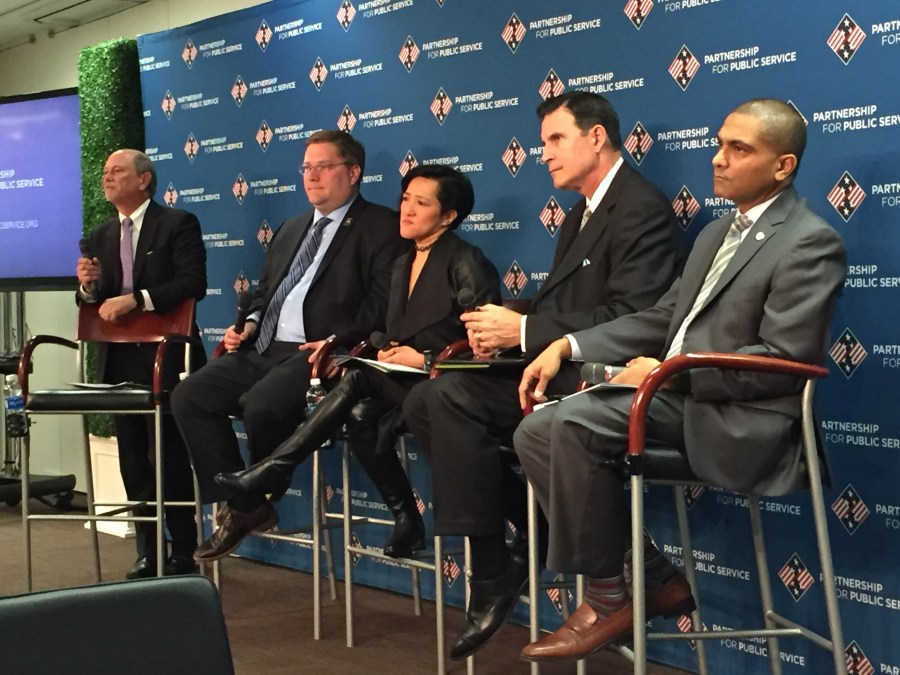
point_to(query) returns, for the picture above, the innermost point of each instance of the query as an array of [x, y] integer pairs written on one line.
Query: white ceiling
[[21, 20]]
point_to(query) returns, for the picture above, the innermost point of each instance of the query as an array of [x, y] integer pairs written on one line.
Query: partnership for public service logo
[[346, 14], [263, 35], [409, 53], [264, 235], [551, 86], [441, 105], [857, 662], [241, 283], [191, 147], [189, 54], [346, 120], [239, 90], [847, 353], [637, 11], [168, 104], [684, 67], [796, 577], [846, 39], [686, 207], [513, 33], [850, 509], [170, 196], [240, 188], [515, 279], [408, 163], [846, 196], [264, 135], [450, 569], [552, 216], [638, 143], [514, 157], [318, 73]]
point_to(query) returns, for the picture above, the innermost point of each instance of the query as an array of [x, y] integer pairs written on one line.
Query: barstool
[[167, 329]]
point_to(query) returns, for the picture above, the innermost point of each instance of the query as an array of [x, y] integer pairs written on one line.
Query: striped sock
[[657, 569], [606, 596]]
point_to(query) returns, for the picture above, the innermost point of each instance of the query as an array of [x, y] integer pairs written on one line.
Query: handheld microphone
[[598, 373], [243, 309], [378, 340], [84, 245], [466, 299]]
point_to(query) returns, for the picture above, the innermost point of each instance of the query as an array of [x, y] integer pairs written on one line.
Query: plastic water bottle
[[314, 394], [16, 424]]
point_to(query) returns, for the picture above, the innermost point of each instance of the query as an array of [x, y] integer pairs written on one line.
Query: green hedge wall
[[112, 117]]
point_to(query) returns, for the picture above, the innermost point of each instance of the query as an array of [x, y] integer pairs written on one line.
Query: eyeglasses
[[319, 168]]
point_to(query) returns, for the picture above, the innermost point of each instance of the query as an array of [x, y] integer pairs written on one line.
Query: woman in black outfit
[[422, 317]]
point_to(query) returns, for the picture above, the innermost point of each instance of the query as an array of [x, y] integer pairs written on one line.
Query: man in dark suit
[[327, 272], [148, 258], [617, 254], [761, 281]]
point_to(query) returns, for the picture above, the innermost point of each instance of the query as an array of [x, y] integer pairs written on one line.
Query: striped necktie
[[586, 216], [726, 252], [301, 263], [126, 257]]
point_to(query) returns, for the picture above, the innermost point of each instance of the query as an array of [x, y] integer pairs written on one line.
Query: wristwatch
[[429, 360]]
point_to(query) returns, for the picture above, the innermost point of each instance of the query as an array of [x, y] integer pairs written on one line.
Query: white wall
[[51, 63]]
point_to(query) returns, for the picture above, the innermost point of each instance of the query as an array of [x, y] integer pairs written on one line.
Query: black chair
[[171, 625], [668, 466], [168, 329]]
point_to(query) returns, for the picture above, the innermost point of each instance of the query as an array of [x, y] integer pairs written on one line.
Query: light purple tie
[[126, 255]]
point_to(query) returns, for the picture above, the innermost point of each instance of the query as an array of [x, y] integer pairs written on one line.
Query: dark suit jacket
[[429, 318], [622, 261], [775, 298], [349, 291], [170, 263]]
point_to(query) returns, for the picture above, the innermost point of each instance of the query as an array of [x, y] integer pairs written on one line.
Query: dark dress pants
[[268, 391], [461, 421]]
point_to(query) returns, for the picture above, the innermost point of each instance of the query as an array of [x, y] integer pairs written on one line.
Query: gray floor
[[268, 611]]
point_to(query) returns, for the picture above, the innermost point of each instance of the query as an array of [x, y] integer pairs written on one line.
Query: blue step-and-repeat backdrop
[[229, 101]]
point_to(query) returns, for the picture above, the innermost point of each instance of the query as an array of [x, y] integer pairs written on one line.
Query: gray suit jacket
[[775, 298]]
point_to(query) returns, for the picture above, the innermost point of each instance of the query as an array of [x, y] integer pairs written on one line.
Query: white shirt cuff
[[576, 350]]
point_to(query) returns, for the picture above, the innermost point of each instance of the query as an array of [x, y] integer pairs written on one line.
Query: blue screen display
[[40, 191]]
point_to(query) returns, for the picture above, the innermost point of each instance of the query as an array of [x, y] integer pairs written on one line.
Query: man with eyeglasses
[[327, 272]]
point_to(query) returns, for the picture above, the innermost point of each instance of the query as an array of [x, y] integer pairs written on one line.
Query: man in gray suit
[[761, 281]]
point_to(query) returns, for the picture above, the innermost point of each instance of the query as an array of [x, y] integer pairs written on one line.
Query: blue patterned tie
[[301, 263], [126, 256]]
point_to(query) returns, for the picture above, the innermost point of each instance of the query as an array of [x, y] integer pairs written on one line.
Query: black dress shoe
[[408, 536], [490, 603], [180, 564], [143, 568]]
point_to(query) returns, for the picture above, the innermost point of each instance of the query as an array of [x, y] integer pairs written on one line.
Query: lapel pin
[[760, 236], [348, 221], [585, 262]]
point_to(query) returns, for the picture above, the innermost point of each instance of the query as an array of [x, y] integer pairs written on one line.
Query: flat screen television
[[40, 190]]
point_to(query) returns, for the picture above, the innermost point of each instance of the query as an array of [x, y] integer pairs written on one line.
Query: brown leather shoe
[[585, 633], [233, 527], [582, 634], [670, 599]]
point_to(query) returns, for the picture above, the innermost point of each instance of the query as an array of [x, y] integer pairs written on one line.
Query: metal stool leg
[[439, 606], [534, 572], [765, 586], [89, 490], [317, 541], [348, 557], [690, 574]]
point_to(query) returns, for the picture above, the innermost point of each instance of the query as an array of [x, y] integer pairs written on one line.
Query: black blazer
[[350, 289], [622, 261], [170, 263], [429, 318]]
